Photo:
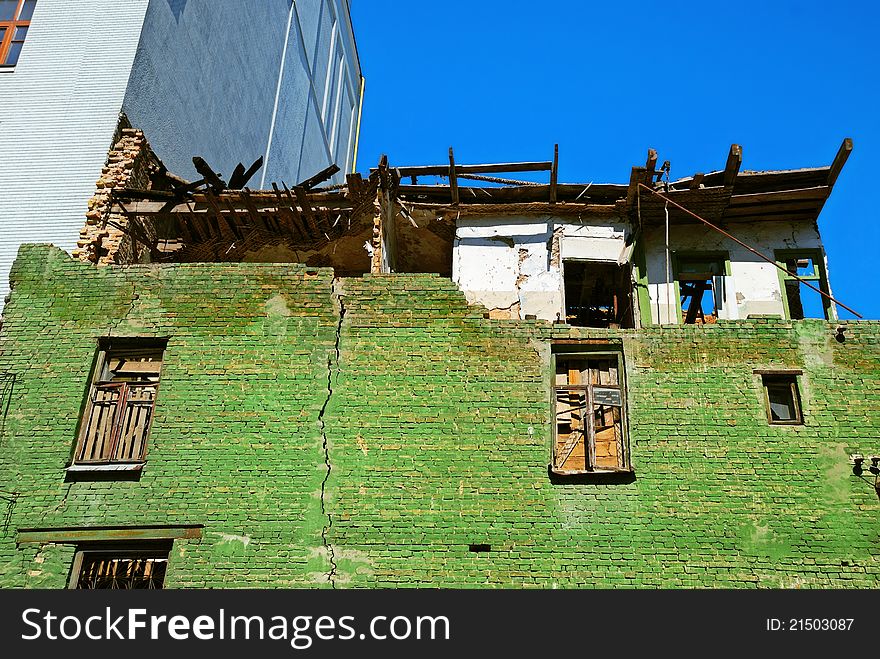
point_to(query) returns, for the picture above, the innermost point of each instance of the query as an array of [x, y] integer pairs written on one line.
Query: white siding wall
[[58, 112]]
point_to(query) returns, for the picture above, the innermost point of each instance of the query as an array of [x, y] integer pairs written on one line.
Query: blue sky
[[505, 80]]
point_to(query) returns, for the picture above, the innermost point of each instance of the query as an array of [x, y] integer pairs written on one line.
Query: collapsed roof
[[339, 226]]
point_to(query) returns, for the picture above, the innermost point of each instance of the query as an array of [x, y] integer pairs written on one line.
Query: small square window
[[783, 399], [590, 414], [122, 398], [133, 567]]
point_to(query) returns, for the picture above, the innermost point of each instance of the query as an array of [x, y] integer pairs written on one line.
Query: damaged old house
[[444, 375]]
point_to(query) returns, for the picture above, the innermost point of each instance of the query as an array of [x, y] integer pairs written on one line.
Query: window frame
[[106, 348], [678, 258], [9, 36], [625, 300], [819, 279], [585, 352], [149, 549], [781, 378]]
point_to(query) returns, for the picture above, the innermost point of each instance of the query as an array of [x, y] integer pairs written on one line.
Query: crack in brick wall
[[435, 434], [332, 364]]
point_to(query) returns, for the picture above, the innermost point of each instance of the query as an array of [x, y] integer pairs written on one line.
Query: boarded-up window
[[590, 424], [124, 568], [122, 398]]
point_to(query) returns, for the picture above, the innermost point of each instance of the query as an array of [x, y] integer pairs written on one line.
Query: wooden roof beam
[[554, 174], [453, 179], [651, 164], [734, 162], [839, 161], [490, 168], [696, 181], [320, 177], [635, 178]]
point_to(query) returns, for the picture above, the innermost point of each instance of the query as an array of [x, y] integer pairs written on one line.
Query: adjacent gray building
[[228, 80]]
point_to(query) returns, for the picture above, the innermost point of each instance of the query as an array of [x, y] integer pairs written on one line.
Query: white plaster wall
[[753, 285], [501, 262], [58, 111]]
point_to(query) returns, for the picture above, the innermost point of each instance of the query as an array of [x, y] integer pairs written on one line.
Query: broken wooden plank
[[734, 161], [806, 206], [635, 178], [320, 177], [816, 193], [229, 226], [839, 161], [240, 176], [355, 185], [554, 174], [189, 228], [307, 212], [287, 215], [258, 219], [651, 163], [493, 179], [222, 225], [210, 176], [696, 181], [489, 168], [301, 223], [453, 180]]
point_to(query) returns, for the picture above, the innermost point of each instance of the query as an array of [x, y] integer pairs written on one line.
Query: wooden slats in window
[[104, 570], [590, 428], [118, 423], [120, 409]]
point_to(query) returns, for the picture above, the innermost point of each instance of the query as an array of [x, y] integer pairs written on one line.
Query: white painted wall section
[[505, 263], [753, 285]]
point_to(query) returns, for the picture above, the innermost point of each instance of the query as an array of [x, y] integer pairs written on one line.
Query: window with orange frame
[[15, 19]]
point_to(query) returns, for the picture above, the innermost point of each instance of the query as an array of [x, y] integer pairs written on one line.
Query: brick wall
[[101, 240], [429, 431]]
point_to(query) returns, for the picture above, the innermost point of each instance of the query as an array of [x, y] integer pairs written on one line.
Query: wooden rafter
[[839, 161], [734, 162]]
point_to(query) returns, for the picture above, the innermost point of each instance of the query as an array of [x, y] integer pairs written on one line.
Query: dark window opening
[[801, 300], [590, 426], [122, 398], [782, 399], [15, 17], [121, 569], [597, 295], [702, 291]]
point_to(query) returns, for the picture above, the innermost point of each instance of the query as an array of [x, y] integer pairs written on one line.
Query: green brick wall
[[434, 434]]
